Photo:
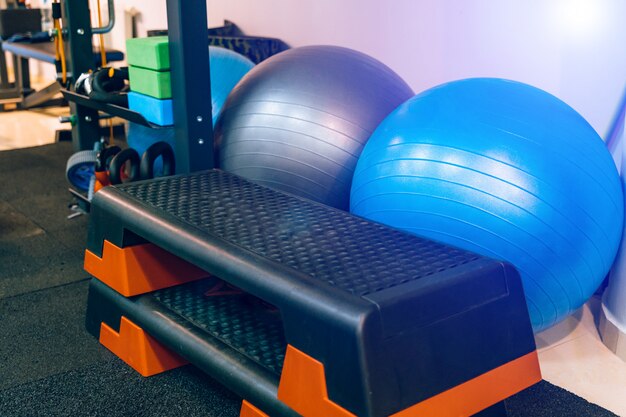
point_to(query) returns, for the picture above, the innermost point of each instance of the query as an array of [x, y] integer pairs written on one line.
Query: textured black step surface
[[347, 252], [228, 356], [240, 321]]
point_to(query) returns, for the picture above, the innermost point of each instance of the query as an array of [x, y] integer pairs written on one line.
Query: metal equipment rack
[[187, 31]]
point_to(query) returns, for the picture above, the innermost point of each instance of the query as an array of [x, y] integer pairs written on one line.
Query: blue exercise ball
[[227, 68], [505, 170], [298, 121]]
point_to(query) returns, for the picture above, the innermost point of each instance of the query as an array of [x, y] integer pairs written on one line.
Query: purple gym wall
[[571, 48]]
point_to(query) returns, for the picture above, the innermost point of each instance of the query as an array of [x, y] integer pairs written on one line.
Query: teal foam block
[[153, 109]]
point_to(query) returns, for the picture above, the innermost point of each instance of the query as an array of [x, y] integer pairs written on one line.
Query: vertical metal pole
[[77, 22], [191, 86], [25, 71], [4, 76]]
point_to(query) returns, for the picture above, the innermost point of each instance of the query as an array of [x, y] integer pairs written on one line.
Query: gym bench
[[20, 91]]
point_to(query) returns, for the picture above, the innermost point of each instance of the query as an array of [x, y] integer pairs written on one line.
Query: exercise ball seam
[[396, 132], [523, 250], [234, 171], [285, 158], [564, 238], [343, 119], [535, 178], [341, 167], [260, 139]]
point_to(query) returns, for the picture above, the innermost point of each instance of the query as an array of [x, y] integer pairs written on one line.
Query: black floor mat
[[36, 261], [547, 400], [42, 334], [111, 388], [39, 246], [50, 366]]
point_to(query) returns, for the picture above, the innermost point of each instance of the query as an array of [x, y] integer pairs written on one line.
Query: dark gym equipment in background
[[23, 39], [190, 83]]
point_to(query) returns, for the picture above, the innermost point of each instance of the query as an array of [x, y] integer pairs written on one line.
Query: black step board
[[368, 301]]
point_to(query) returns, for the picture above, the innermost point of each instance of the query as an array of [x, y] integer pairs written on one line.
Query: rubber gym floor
[[49, 364]]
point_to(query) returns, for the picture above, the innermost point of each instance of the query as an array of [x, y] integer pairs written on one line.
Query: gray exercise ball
[[299, 120]]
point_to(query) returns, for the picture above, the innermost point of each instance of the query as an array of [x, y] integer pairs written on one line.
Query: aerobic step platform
[[308, 310]]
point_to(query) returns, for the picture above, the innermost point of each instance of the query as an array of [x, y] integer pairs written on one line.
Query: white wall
[[574, 49]]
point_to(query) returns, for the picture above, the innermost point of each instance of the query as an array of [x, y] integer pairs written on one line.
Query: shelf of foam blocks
[[299, 308]]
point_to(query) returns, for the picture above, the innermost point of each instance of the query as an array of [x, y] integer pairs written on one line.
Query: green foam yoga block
[[151, 53], [151, 83]]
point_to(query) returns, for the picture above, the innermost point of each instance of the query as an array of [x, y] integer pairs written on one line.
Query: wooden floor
[[23, 129]]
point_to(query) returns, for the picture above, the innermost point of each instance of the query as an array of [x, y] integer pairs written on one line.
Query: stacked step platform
[[300, 308]]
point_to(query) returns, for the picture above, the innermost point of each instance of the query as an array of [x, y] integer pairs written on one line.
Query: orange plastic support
[[481, 392], [303, 388], [140, 269], [102, 180], [138, 349], [248, 410]]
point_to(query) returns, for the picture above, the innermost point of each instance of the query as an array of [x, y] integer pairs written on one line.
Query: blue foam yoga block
[[154, 110]]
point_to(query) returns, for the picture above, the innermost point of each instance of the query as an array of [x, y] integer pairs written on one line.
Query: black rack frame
[[110, 109], [77, 24], [191, 85]]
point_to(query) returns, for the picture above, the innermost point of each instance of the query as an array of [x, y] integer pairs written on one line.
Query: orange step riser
[[138, 349], [140, 269], [303, 388]]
